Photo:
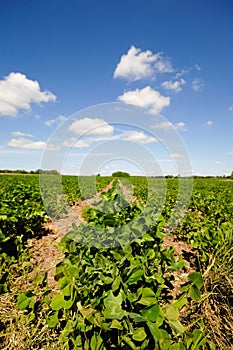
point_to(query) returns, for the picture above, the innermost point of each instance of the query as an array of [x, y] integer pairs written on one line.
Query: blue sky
[[58, 57]]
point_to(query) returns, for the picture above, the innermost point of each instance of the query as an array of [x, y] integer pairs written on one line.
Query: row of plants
[[115, 284], [21, 216], [116, 260]]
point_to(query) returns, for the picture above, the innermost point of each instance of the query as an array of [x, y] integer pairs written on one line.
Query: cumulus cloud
[[50, 122], [181, 126], [18, 92], [163, 65], [197, 85], [20, 134], [208, 124], [73, 142], [166, 125], [137, 64], [219, 162], [91, 126], [162, 125], [25, 143], [230, 153], [174, 85], [137, 136], [147, 98], [177, 155]]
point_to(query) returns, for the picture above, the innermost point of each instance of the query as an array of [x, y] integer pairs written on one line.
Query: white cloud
[[163, 125], [198, 68], [197, 85], [21, 134], [219, 162], [230, 153], [181, 126], [50, 122], [18, 92], [91, 126], [147, 98], [137, 64], [163, 65], [174, 85], [73, 142], [166, 125], [137, 136], [181, 73], [177, 155], [25, 143], [208, 124]]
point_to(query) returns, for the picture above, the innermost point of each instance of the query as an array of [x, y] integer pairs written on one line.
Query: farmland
[[128, 277]]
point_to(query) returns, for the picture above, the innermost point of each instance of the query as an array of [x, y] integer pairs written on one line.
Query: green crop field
[[138, 272]]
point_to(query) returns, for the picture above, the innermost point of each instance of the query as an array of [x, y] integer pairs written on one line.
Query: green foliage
[[116, 278], [120, 174], [209, 218], [113, 209], [119, 297]]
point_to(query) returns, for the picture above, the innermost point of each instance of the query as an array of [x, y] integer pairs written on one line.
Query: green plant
[[120, 297]]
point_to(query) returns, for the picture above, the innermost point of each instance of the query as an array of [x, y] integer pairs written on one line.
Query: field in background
[[136, 281]]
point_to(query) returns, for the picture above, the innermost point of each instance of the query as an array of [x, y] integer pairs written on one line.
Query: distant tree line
[[120, 174], [38, 171], [115, 174]]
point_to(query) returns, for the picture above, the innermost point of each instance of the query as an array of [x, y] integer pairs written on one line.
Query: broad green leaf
[[106, 279], [113, 308], [152, 313], [179, 303], [159, 278], [139, 334], [155, 331], [64, 285], [59, 302], [136, 317], [116, 283], [129, 342], [116, 324], [196, 278], [144, 345], [148, 297], [85, 311], [52, 320], [147, 238], [135, 276], [194, 293], [24, 300], [198, 338], [177, 346], [172, 313], [96, 342], [177, 326]]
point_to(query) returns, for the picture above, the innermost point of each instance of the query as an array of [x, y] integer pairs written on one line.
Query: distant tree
[[120, 174], [231, 177], [47, 172]]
